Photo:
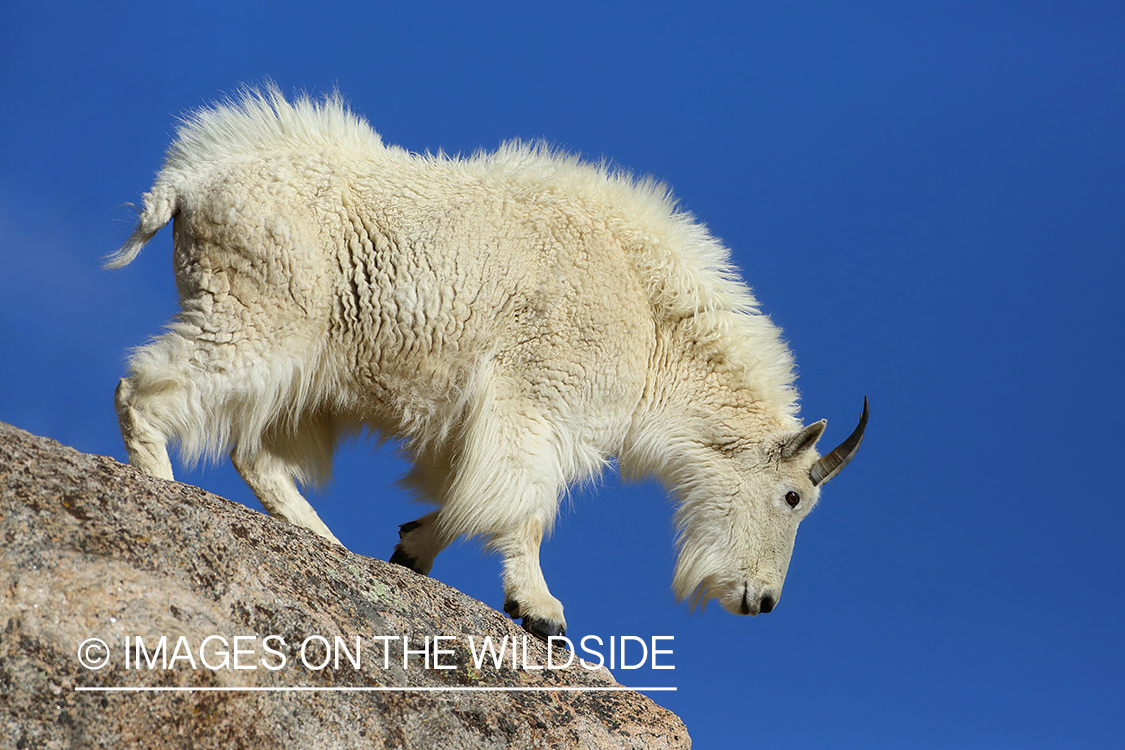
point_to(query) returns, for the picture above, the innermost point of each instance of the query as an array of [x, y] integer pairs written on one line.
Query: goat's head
[[738, 522]]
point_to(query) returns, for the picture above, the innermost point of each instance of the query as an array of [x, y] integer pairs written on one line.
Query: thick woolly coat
[[518, 317]]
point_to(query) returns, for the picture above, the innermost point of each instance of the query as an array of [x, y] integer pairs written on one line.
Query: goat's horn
[[829, 466]]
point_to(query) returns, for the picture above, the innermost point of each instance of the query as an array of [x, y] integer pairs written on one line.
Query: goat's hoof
[[542, 627], [407, 527], [401, 558]]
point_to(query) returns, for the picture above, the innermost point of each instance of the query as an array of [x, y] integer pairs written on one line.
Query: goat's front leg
[[525, 590]]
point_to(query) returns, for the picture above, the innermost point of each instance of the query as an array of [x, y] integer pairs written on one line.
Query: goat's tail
[[161, 204]]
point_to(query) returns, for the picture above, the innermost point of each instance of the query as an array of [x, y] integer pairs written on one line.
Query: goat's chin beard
[[696, 582], [702, 577], [712, 587]]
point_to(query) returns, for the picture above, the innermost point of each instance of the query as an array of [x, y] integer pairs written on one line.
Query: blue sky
[[928, 198]]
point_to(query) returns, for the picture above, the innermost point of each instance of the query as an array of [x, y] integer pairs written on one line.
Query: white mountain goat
[[517, 318]]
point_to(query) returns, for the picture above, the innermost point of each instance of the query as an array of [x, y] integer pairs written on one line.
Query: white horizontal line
[[300, 689]]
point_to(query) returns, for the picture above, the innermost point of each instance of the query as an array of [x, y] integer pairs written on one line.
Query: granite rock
[[92, 549]]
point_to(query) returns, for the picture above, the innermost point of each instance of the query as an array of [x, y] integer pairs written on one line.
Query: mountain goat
[[517, 318]]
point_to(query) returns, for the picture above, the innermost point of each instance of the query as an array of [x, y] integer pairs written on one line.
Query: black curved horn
[[829, 466]]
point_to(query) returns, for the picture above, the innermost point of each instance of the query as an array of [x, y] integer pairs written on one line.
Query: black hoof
[[407, 527], [401, 558], [542, 627], [512, 608]]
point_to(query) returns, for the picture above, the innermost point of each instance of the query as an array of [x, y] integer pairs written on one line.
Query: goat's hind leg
[[272, 478], [145, 443], [140, 409]]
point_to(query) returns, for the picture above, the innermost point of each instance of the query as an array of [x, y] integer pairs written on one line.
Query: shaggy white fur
[[517, 317]]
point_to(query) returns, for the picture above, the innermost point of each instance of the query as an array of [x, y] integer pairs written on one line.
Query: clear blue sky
[[928, 198]]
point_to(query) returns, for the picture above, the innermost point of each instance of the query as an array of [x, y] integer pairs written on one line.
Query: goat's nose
[[763, 602]]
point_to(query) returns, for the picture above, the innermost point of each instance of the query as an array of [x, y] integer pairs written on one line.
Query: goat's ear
[[803, 439]]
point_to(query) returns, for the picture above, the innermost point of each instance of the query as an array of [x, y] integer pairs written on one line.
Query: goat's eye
[[792, 498]]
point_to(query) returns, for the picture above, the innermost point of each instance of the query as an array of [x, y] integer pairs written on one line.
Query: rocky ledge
[[99, 563]]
